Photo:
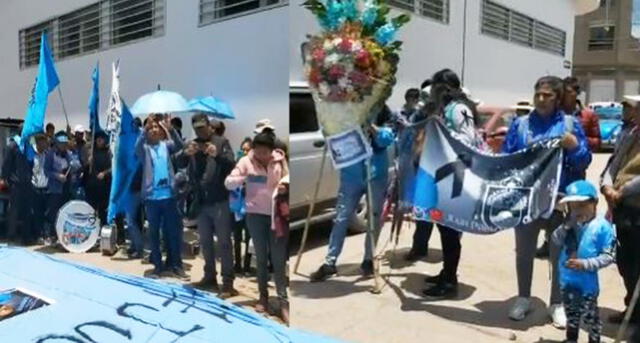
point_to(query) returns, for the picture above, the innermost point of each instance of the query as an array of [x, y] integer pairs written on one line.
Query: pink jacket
[[260, 182]]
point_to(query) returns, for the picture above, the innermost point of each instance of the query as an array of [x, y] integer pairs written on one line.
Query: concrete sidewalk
[[342, 307]]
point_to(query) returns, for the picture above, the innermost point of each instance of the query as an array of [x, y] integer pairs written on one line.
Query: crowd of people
[[578, 241], [235, 198]]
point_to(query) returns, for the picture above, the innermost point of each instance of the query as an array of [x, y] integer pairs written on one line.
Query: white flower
[[342, 82], [324, 88], [327, 45], [332, 59], [357, 46], [337, 41]]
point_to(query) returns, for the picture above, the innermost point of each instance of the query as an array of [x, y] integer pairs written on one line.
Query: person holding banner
[[547, 121], [449, 101], [57, 168], [98, 180], [353, 185], [154, 148], [620, 185]]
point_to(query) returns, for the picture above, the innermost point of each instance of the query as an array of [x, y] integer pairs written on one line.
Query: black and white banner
[[470, 191]]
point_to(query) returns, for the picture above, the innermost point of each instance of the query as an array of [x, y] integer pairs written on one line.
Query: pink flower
[[359, 78], [318, 55], [336, 72], [314, 77], [363, 59], [345, 46]]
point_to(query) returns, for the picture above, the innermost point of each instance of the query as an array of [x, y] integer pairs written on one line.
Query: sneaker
[[323, 273], [367, 268], [228, 291], [520, 309], [558, 317], [617, 318], [180, 274], [543, 250], [155, 274], [442, 291], [284, 312], [262, 305], [207, 283], [414, 256]]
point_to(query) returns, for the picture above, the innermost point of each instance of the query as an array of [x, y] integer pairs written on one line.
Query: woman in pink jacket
[[261, 172]]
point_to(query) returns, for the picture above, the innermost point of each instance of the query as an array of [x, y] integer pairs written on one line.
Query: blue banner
[[46, 81], [94, 101], [125, 165]]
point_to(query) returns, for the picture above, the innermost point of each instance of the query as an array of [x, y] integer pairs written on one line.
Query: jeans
[[54, 203], [349, 196], [578, 307], [133, 216], [164, 213], [267, 245], [241, 234], [627, 222], [216, 219], [526, 244], [421, 237]]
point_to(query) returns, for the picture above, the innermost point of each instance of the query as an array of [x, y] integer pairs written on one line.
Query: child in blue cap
[[587, 244]]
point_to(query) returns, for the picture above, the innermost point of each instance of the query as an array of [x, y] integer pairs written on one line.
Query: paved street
[[342, 307]]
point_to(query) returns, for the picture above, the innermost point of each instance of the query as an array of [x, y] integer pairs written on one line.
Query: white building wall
[[497, 72], [241, 61]]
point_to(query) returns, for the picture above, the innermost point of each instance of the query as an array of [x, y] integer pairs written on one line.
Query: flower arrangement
[[353, 62]]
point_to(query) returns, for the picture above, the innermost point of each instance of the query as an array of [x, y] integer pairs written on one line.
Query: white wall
[[241, 60], [497, 72]]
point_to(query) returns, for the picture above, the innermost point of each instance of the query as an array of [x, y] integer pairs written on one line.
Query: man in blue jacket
[[546, 121], [353, 185]]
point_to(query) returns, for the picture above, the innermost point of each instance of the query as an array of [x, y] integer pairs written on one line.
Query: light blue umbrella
[[160, 102], [212, 106]]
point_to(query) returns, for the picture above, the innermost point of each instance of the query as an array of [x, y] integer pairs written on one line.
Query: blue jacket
[[379, 161], [54, 165], [594, 244], [575, 162]]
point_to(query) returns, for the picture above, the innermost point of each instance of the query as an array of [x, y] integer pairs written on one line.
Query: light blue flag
[[46, 81], [125, 165], [94, 101]]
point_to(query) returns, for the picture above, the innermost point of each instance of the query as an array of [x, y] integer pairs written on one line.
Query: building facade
[[499, 47], [230, 49], [606, 55]]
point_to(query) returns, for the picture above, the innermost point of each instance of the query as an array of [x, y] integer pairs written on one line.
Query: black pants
[[451, 248], [627, 222], [54, 203], [38, 212], [421, 237], [18, 212], [581, 307]]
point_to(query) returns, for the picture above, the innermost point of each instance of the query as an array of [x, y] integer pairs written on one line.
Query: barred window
[[504, 23], [212, 11], [99, 26], [601, 37], [30, 43], [79, 31], [434, 9]]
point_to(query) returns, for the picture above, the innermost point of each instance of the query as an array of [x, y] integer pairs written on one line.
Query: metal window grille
[[602, 37], [212, 11], [503, 23], [99, 26], [433, 9]]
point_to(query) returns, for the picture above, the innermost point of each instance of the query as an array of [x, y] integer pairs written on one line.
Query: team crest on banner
[[472, 191]]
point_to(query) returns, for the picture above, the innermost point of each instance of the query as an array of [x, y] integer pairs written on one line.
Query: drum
[[77, 226]]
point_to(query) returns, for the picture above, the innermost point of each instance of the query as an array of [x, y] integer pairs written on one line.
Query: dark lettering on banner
[[122, 311], [68, 338], [102, 324]]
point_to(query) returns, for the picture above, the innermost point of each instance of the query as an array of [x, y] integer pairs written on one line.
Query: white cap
[[263, 124], [78, 128], [633, 98]]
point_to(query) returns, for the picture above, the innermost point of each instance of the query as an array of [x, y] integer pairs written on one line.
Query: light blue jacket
[[379, 161], [594, 243]]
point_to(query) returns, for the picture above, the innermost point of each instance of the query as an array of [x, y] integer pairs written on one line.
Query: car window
[[302, 113], [609, 112]]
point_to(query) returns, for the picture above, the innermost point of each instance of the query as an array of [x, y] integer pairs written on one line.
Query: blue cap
[[580, 191]]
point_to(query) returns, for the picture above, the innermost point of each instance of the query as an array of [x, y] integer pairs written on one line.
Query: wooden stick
[[377, 286], [305, 233], [64, 109]]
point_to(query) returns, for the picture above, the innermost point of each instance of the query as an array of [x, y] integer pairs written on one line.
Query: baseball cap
[[78, 128], [199, 120], [581, 190], [61, 137], [263, 124]]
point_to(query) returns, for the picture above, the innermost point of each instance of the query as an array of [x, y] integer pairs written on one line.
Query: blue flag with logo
[[46, 81], [125, 165], [94, 101]]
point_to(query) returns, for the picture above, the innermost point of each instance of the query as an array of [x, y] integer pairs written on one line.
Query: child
[[261, 172], [154, 148], [587, 244]]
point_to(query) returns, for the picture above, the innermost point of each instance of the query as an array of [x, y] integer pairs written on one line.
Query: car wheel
[[359, 220]]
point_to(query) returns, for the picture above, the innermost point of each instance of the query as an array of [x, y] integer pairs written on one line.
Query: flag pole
[[377, 287], [64, 109], [627, 317], [310, 213]]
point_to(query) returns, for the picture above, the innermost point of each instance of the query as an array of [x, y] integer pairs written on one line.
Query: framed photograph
[[349, 148], [16, 301]]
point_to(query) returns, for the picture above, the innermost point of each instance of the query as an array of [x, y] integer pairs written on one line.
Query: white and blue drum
[[77, 226]]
